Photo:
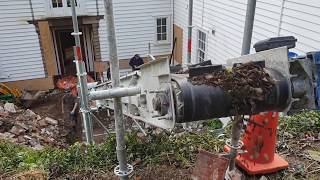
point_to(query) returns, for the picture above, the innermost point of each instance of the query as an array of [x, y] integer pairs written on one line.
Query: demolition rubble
[[246, 84], [25, 127]]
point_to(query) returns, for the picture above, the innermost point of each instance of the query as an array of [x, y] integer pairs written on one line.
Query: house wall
[[20, 54], [135, 23], [223, 21], [20, 50]]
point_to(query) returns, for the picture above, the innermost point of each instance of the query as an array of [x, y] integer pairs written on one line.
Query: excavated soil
[[246, 84]]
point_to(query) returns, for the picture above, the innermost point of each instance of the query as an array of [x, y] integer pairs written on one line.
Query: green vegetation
[[215, 124], [153, 149], [305, 121], [164, 148]]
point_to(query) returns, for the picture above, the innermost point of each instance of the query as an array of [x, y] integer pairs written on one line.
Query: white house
[[36, 45], [218, 26]]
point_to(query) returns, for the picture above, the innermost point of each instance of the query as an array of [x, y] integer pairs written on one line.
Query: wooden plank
[[178, 34], [48, 48], [32, 84]]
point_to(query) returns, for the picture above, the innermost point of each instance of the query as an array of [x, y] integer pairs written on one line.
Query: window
[[61, 3], [69, 3], [57, 3], [202, 37], [162, 25]]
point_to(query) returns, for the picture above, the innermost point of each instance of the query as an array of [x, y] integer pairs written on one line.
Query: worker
[[108, 72], [135, 62], [70, 111]]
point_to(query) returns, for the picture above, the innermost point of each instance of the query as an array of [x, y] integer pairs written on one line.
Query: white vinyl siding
[[226, 19], [20, 55], [135, 28]]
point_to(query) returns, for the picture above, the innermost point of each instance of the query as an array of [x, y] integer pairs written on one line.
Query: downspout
[[97, 8], [173, 35], [31, 9], [190, 32], [281, 16]]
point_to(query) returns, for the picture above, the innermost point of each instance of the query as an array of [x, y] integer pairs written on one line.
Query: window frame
[[168, 30], [64, 10], [205, 44]]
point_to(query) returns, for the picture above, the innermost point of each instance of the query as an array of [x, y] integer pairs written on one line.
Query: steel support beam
[[247, 34], [123, 169], [114, 93], [82, 78]]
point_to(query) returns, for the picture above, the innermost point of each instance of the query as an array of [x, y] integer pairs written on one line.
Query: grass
[[164, 148], [154, 149]]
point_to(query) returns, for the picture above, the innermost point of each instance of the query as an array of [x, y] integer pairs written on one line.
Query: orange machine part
[[260, 143]]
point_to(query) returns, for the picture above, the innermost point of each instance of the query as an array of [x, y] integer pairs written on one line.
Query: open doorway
[[64, 43]]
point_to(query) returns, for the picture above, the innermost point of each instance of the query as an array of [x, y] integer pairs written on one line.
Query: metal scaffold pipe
[[123, 169], [190, 31], [114, 93], [246, 43], [82, 78], [247, 34]]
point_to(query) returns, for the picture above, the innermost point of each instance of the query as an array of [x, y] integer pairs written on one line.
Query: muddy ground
[[300, 164]]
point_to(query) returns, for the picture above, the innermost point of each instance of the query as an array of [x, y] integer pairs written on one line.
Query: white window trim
[[163, 42], [65, 10], [206, 45]]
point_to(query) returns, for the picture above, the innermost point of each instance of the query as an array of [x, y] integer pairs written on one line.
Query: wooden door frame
[[87, 42]]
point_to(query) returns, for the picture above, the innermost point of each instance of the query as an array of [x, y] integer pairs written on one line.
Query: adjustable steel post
[[123, 169], [246, 43], [189, 53], [82, 78]]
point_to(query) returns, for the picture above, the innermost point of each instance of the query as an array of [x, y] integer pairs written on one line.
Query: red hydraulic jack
[[260, 143]]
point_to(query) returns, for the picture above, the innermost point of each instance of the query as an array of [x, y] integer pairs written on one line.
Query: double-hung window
[[202, 42], [62, 7], [162, 29]]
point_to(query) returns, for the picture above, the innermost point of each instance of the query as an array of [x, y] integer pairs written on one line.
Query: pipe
[[190, 31], [247, 34], [82, 78], [122, 170], [246, 43], [114, 93]]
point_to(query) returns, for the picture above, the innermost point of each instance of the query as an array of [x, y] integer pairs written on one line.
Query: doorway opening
[[64, 43]]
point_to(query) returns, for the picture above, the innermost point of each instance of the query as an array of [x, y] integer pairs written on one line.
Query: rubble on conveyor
[[245, 83]]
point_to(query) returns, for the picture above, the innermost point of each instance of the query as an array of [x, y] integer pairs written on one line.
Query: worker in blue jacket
[[135, 62]]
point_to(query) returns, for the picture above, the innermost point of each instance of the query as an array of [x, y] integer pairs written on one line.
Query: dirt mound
[[246, 84]]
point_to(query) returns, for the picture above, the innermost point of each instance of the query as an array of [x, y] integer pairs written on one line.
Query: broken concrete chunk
[[1, 123], [21, 139], [42, 123], [1, 109], [4, 114], [10, 107], [22, 125], [6, 135], [30, 113], [27, 137], [51, 121], [38, 147], [17, 130]]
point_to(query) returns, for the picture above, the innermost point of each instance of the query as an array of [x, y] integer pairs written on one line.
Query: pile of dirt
[[246, 84], [23, 126]]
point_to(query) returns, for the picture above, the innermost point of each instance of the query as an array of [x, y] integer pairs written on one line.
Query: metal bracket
[[120, 173], [76, 34], [239, 146]]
